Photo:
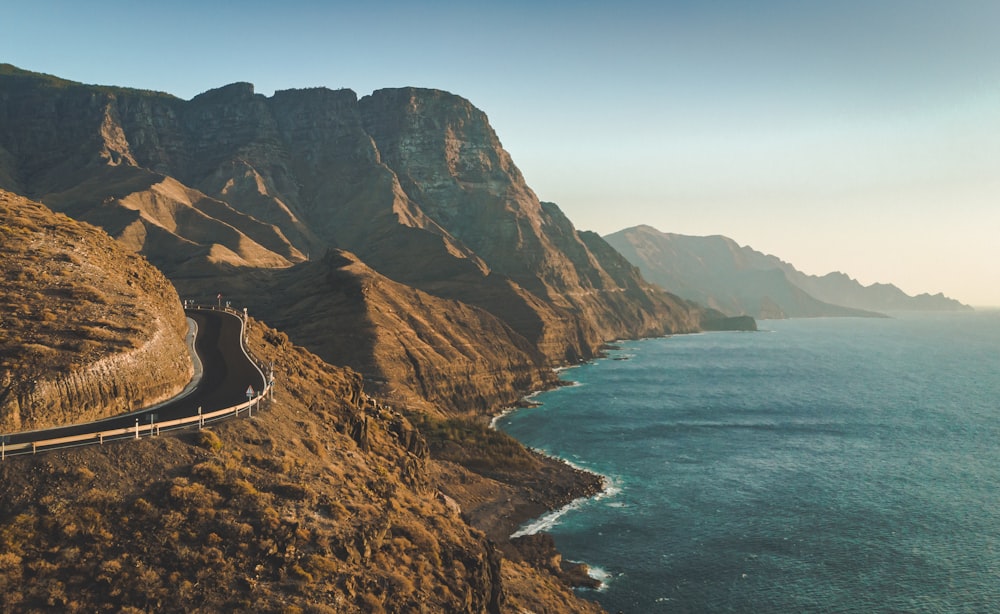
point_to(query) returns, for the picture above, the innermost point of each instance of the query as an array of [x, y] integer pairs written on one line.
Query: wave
[[600, 575], [549, 520], [506, 411], [612, 487]]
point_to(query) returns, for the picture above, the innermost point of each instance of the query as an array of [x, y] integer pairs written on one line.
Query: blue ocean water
[[821, 465]]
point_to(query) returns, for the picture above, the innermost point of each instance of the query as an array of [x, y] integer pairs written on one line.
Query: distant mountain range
[[734, 279]]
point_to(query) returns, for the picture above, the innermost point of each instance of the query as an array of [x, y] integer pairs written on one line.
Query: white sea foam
[[503, 414], [548, 520], [612, 487], [601, 576]]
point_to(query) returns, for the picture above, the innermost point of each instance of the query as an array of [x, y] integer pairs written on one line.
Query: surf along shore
[[516, 519]]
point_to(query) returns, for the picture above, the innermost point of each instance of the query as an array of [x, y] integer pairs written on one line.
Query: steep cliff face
[[414, 182], [87, 328], [450, 161]]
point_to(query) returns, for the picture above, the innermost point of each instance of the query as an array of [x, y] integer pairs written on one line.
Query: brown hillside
[[87, 328], [323, 502], [443, 355]]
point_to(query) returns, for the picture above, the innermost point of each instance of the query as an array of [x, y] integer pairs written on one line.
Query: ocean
[[818, 465]]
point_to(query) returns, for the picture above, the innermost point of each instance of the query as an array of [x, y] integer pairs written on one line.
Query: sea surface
[[819, 465]]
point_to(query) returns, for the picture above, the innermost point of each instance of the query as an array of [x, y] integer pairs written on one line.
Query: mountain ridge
[[718, 272], [413, 181]]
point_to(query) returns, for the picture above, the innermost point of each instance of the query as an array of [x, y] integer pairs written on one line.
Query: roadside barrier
[[153, 428]]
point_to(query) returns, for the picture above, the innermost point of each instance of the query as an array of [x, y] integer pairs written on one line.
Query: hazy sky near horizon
[[858, 135]]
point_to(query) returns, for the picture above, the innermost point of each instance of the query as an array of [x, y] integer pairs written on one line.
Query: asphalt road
[[226, 374]]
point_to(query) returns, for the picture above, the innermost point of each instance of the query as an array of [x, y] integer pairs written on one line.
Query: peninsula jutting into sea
[[399, 277]]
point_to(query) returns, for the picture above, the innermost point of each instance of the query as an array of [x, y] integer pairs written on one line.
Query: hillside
[[88, 328], [735, 279], [325, 501]]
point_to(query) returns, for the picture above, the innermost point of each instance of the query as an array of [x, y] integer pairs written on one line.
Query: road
[[226, 374]]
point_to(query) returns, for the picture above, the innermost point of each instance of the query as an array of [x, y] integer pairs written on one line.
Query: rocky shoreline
[[565, 485]]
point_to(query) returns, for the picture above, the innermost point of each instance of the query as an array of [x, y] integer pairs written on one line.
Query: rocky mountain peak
[[240, 91]]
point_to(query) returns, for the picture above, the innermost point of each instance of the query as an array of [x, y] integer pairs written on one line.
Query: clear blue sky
[[852, 135]]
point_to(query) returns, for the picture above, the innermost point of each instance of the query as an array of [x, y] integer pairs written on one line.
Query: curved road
[[226, 373]]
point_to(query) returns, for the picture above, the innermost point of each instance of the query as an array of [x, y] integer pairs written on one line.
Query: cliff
[[414, 182], [437, 353], [735, 279], [88, 329]]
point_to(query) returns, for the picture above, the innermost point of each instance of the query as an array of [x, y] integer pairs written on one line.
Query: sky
[[860, 136]]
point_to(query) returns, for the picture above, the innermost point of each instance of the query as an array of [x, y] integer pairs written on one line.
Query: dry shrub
[[194, 496], [401, 584], [321, 566], [314, 446], [209, 440], [143, 508], [295, 492], [372, 604], [85, 293], [209, 472], [301, 574], [10, 571]]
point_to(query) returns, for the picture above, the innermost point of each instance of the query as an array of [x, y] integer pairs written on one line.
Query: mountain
[[734, 279], [232, 187], [839, 287]]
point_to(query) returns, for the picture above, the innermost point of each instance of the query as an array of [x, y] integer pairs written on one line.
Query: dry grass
[[69, 297], [68, 288]]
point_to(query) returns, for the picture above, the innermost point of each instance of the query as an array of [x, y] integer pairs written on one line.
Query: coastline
[[525, 523]]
